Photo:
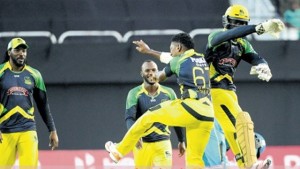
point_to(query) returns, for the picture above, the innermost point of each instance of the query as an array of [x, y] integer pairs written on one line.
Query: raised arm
[[142, 47]]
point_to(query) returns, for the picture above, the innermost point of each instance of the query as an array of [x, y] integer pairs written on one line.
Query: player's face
[[149, 70], [175, 48], [18, 56], [236, 23]]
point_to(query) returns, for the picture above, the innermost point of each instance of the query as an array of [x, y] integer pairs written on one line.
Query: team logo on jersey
[[27, 80], [17, 91]]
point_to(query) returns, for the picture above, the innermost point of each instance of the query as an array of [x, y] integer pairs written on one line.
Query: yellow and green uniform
[[225, 50], [157, 148], [18, 91], [193, 111]]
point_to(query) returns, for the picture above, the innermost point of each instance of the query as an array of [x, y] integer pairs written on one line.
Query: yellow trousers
[[21, 144], [195, 115], [152, 154], [226, 108]]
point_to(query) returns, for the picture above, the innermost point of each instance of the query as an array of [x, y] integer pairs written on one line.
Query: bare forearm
[[153, 53]]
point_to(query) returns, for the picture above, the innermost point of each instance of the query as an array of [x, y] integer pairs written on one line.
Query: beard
[[150, 80], [18, 63]]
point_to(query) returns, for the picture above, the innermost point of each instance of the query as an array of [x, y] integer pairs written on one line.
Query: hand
[[53, 140], [262, 71], [181, 147], [142, 47], [272, 26], [139, 144], [1, 137], [156, 77]]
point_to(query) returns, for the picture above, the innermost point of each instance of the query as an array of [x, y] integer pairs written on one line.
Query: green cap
[[15, 42]]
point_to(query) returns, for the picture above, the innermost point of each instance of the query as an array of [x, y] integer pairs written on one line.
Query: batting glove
[[262, 71], [272, 26]]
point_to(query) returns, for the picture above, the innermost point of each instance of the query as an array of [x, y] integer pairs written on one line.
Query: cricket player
[[193, 111], [215, 152], [20, 86], [225, 49], [154, 149]]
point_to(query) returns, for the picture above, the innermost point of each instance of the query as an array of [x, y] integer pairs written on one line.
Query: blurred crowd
[[289, 10]]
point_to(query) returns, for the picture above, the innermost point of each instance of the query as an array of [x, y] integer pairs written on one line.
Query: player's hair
[[6, 57], [149, 60], [185, 39], [146, 61]]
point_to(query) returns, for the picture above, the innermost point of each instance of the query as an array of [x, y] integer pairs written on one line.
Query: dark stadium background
[[88, 78]]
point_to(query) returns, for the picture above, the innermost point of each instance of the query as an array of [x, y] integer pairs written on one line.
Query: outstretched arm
[[234, 33], [142, 47], [272, 27]]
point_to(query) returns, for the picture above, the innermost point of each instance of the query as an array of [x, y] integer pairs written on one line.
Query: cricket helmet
[[260, 144], [235, 15]]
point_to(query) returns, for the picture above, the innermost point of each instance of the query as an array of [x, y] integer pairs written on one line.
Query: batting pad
[[245, 137]]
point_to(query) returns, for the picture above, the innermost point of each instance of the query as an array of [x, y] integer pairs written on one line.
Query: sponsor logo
[[19, 91], [199, 61], [227, 62], [153, 99]]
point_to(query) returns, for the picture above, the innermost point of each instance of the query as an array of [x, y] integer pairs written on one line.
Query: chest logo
[[27, 80]]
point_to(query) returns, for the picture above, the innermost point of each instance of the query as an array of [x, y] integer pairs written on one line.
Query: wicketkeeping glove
[[271, 26], [262, 71]]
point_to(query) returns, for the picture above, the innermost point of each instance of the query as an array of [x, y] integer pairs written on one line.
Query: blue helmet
[[260, 144]]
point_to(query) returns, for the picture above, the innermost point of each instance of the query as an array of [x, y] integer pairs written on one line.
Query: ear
[[141, 73], [179, 47]]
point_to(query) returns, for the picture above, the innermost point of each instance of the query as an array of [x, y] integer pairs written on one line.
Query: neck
[[151, 89]]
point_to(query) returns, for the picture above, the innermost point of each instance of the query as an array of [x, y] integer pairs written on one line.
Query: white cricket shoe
[[263, 165], [114, 154]]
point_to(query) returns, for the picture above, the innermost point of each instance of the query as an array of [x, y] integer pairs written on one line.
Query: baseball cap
[[15, 42]]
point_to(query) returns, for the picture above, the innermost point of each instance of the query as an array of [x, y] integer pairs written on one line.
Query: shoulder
[[174, 62], [33, 71], [2, 67], [167, 90], [199, 54], [134, 91], [244, 42], [215, 32]]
